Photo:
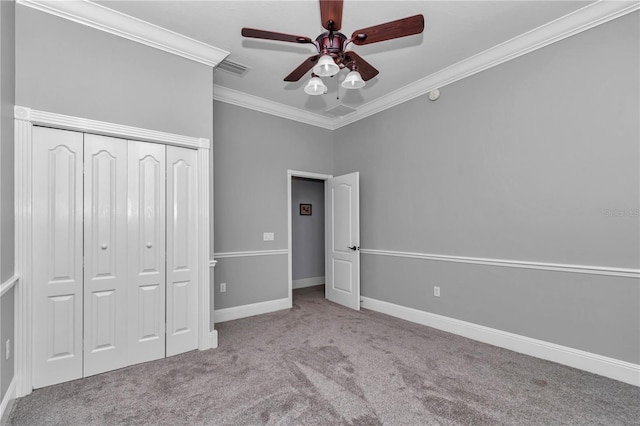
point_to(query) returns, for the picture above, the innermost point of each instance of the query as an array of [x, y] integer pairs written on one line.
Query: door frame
[[24, 120], [291, 174]]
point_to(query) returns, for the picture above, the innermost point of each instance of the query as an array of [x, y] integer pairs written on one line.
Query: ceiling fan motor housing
[[331, 43]]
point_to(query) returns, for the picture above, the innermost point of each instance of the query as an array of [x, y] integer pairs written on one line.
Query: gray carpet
[[323, 364]]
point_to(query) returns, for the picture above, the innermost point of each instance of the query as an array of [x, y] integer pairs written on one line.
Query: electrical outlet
[[436, 291], [223, 287], [7, 349]]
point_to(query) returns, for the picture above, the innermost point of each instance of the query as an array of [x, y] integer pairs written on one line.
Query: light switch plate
[[267, 236]]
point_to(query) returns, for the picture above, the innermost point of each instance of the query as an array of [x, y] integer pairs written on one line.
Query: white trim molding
[[61, 121], [204, 280], [213, 339], [23, 241], [9, 284], [231, 254], [557, 267], [244, 100], [609, 367], [25, 119], [9, 396], [244, 311], [590, 16], [119, 24]]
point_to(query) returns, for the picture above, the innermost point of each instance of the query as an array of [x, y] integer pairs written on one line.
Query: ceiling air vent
[[232, 67], [339, 111]]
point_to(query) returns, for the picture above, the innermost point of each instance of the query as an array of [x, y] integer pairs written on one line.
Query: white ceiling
[[454, 30]]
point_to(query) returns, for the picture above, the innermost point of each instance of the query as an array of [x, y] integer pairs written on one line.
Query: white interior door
[[105, 251], [57, 252], [146, 226], [182, 251], [342, 224]]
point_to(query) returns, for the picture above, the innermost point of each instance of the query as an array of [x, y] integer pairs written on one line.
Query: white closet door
[[105, 250], [146, 321], [57, 256], [182, 251]]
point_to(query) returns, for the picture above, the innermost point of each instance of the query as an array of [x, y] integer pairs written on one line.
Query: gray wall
[[252, 153], [524, 161], [307, 237], [7, 247], [7, 98], [72, 69]]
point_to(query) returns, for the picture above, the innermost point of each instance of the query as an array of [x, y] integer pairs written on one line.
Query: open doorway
[[341, 236], [307, 235], [306, 232]]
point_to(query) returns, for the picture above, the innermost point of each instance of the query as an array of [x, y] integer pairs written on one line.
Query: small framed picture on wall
[[305, 209]]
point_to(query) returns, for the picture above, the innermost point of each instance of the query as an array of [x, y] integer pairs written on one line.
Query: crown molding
[[576, 22], [241, 99], [104, 19]]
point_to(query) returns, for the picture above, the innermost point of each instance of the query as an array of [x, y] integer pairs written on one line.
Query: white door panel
[[146, 227], [115, 238], [182, 251], [57, 252], [105, 250], [342, 275]]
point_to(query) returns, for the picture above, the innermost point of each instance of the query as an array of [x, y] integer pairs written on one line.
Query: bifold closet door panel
[[147, 275], [57, 256], [105, 251], [182, 251]]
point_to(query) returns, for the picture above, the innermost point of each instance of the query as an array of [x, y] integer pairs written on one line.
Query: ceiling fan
[[331, 45]]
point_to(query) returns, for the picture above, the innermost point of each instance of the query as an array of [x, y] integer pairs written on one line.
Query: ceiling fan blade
[[366, 70], [270, 35], [302, 69], [389, 30], [331, 11]]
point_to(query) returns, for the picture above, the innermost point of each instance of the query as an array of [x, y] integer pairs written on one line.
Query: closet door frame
[[24, 120]]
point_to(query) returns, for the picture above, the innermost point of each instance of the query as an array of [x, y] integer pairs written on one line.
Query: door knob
[[103, 247], [354, 248], [148, 245]]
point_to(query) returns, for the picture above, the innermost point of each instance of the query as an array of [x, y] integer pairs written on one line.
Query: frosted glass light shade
[[326, 67], [353, 81], [315, 86]]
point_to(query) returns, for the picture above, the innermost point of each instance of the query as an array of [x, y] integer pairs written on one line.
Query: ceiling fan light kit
[[330, 46], [315, 86], [326, 67], [353, 81]]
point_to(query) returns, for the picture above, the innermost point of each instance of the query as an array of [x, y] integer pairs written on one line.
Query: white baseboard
[[237, 312], [8, 398], [214, 339], [307, 282], [609, 367]]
